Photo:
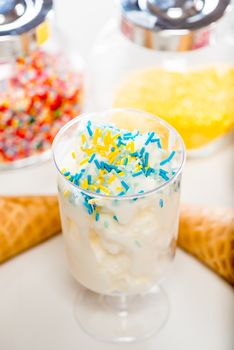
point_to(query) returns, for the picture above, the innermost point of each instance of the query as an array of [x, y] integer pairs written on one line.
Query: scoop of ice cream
[[117, 162], [121, 243]]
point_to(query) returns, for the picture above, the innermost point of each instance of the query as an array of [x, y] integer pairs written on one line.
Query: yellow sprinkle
[[115, 137], [83, 138], [102, 153], [121, 173], [132, 147], [100, 148], [95, 136], [138, 167], [112, 156], [101, 180], [108, 135], [73, 155], [119, 189], [84, 161], [104, 189], [111, 160], [102, 171], [92, 187], [107, 138], [111, 179], [63, 170], [87, 150], [66, 193], [85, 184]]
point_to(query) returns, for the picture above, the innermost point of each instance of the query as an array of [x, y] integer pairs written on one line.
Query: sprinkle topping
[[109, 161]]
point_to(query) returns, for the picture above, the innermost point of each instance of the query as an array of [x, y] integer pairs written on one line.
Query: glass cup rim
[[86, 115]]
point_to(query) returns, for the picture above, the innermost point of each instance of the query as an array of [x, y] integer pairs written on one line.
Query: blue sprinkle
[[97, 164], [78, 176], [88, 207], [112, 149], [161, 203], [115, 218], [137, 173], [158, 142], [117, 170], [125, 161], [142, 151], [148, 172], [146, 159], [82, 170], [97, 216], [137, 133], [168, 158], [67, 173], [107, 167], [141, 191], [155, 140], [102, 165], [125, 185], [122, 193], [89, 178], [92, 158], [89, 129], [151, 135], [71, 178], [134, 154], [98, 190], [119, 141], [127, 134], [163, 174]]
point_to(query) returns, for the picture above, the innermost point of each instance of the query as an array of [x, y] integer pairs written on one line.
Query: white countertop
[[37, 293]]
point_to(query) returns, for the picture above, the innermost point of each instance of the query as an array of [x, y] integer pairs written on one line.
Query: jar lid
[[171, 25], [23, 26]]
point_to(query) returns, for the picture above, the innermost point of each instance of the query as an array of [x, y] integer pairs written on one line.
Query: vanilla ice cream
[[119, 199]]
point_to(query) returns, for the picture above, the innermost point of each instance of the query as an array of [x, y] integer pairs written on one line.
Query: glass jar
[[40, 82], [163, 58]]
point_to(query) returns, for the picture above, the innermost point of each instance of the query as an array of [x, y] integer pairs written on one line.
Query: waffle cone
[[208, 234], [25, 222]]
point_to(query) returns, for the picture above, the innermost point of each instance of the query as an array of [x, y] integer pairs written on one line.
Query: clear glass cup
[[119, 259]]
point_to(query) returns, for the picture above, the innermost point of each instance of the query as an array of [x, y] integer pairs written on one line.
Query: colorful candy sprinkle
[[117, 162], [41, 96]]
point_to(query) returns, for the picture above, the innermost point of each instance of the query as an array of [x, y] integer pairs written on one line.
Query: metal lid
[[171, 25], [23, 26]]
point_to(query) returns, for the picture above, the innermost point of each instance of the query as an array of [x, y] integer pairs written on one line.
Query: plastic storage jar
[[163, 57], [40, 87]]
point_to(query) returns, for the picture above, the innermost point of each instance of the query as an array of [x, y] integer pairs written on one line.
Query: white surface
[[37, 292]]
